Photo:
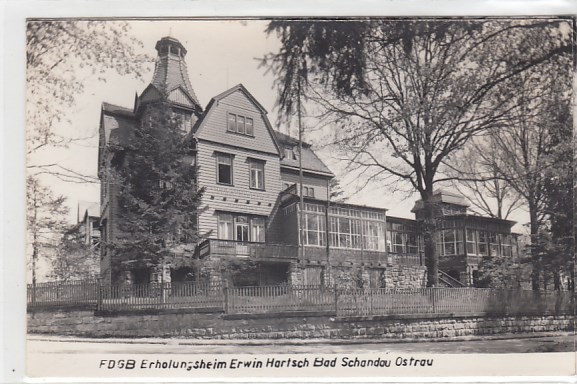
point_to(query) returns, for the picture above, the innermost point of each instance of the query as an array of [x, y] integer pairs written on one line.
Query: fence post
[[225, 292], [162, 285], [99, 294], [336, 300], [433, 294], [371, 302], [33, 292]]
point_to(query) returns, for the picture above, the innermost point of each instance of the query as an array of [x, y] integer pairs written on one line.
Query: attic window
[[184, 121], [240, 124], [291, 153]]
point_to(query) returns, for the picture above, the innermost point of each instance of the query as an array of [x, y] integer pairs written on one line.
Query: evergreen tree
[[74, 258], [559, 246], [158, 197], [336, 192]]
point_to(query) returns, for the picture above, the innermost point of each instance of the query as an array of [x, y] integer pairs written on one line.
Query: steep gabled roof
[[310, 161], [89, 208], [240, 87], [198, 126], [116, 123]]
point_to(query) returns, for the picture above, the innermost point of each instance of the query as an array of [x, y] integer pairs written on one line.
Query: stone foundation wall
[[285, 326], [406, 277]]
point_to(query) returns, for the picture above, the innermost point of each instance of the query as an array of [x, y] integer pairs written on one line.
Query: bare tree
[[60, 56], [45, 218], [403, 97], [477, 178], [524, 145]]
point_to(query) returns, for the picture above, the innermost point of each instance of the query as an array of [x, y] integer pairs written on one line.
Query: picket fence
[[297, 298]]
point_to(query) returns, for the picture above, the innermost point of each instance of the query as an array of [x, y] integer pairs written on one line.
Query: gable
[[178, 96], [239, 106], [150, 94], [116, 124]]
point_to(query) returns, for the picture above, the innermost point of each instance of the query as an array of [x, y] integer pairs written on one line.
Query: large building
[[256, 228]]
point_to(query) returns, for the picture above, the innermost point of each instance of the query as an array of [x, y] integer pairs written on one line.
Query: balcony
[[287, 252], [260, 251], [406, 259]]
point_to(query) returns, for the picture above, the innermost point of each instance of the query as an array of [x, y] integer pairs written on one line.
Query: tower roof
[[171, 73]]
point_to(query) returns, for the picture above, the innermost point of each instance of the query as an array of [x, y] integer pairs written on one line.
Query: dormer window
[[291, 153], [240, 124]]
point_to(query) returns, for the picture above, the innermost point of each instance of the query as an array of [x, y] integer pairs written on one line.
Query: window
[[507, 245], [240, 124], [224, 169], [355, 234], [451, 242], [241, 228], [315, 230], [256, 176], [249, 126], [231, 122], [483, 243], [308, 191], [225, 227], [398, 242], [471, 242], [291, 153], [345, 232], [183, 120], [165, 185], [374, 236], [412, 244], [257, 229], [494, 244]]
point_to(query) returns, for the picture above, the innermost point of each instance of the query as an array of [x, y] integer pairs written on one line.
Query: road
[[38, 345]]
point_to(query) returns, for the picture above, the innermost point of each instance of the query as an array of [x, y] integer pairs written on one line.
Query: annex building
[[255, 229]]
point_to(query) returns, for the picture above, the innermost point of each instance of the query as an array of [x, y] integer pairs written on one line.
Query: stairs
[[448, 281]]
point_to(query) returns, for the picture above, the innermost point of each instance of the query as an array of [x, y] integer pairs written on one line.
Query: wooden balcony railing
[[247, 249], [406, 259], [286, 251]]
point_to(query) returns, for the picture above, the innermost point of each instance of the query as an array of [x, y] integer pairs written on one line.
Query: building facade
[[259, 225]]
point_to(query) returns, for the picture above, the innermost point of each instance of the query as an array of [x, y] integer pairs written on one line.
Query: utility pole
[[301, 202]]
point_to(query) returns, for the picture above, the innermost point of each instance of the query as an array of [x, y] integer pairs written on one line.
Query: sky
[[221, 54]]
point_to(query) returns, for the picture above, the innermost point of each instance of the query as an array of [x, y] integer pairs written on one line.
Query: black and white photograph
[[306, 197]]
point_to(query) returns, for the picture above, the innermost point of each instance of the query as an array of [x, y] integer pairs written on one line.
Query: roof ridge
[[109, 107]]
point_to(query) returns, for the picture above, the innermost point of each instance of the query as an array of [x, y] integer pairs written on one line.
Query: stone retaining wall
[[286, 326]]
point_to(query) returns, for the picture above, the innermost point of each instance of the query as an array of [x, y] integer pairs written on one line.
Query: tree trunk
[[556, 281], [429, 228], [535, 254]]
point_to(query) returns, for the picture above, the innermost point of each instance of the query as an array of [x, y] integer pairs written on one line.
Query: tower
[[170, 83]]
